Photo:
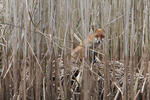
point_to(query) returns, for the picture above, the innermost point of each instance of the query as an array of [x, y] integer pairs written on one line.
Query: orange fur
[[92, 39]]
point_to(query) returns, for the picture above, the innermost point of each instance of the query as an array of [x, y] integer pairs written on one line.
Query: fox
[[92, 41]]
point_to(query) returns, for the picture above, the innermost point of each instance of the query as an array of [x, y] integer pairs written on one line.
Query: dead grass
[[37, 36]]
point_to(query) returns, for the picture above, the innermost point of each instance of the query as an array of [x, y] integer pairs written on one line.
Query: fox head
[[92, 41], [99, 35]]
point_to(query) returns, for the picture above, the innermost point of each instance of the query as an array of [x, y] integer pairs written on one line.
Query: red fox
[[93, 40]]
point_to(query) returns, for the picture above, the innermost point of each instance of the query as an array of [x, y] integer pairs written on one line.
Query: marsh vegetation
[[37, 36]]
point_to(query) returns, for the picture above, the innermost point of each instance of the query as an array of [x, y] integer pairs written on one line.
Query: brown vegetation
[[37, 36]]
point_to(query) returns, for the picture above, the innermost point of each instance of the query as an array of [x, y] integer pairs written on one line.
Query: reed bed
[[37, 36]]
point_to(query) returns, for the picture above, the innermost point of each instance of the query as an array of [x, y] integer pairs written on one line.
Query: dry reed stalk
[[131, 62], [35, 33], [106, 16], [84, 11], [125, 84]]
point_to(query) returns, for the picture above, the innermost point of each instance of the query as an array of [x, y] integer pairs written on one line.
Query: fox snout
[[98, 41]]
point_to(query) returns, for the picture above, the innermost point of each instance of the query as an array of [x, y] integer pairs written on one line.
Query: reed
[[37, 36]]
